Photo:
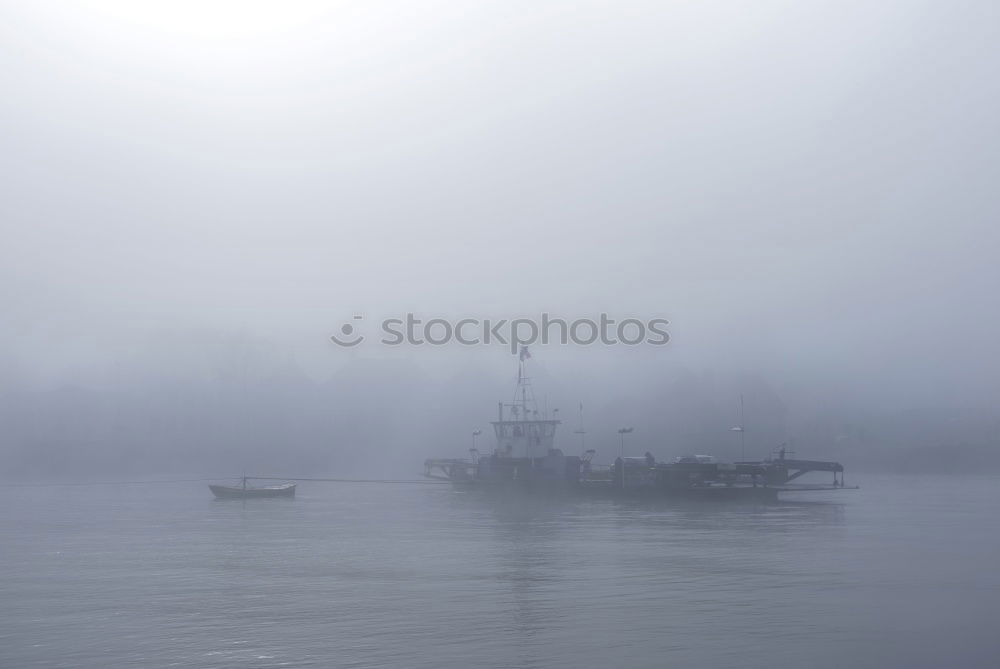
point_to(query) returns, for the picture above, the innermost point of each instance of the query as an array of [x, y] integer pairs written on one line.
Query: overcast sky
[[803, 188]]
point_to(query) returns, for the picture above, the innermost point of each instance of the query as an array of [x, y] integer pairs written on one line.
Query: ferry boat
[[525, 457]]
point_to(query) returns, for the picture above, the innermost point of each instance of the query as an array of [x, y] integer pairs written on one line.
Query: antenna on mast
[[523, 382]]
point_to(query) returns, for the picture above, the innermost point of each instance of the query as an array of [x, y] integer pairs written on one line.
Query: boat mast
[[521, 401]]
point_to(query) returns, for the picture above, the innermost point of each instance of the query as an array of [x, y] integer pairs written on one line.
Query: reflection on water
[[897, 574]]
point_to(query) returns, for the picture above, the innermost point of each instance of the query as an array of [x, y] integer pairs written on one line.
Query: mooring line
[[216, 478], [300, 478]]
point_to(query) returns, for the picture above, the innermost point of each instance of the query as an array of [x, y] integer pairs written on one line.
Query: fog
[[197, 195]]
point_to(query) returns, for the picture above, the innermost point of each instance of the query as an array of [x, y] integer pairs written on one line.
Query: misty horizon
[[822, 223]]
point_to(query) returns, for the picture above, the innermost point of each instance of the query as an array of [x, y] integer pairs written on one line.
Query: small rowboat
[[245, 492]]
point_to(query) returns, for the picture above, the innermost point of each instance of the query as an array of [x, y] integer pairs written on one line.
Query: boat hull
[[229, 492], [605, 490], [716, 493]]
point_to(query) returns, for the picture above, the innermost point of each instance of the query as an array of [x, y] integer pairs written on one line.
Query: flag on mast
[[524, 353]]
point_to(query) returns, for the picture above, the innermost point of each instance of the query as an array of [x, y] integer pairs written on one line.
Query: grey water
[[902, 573]]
